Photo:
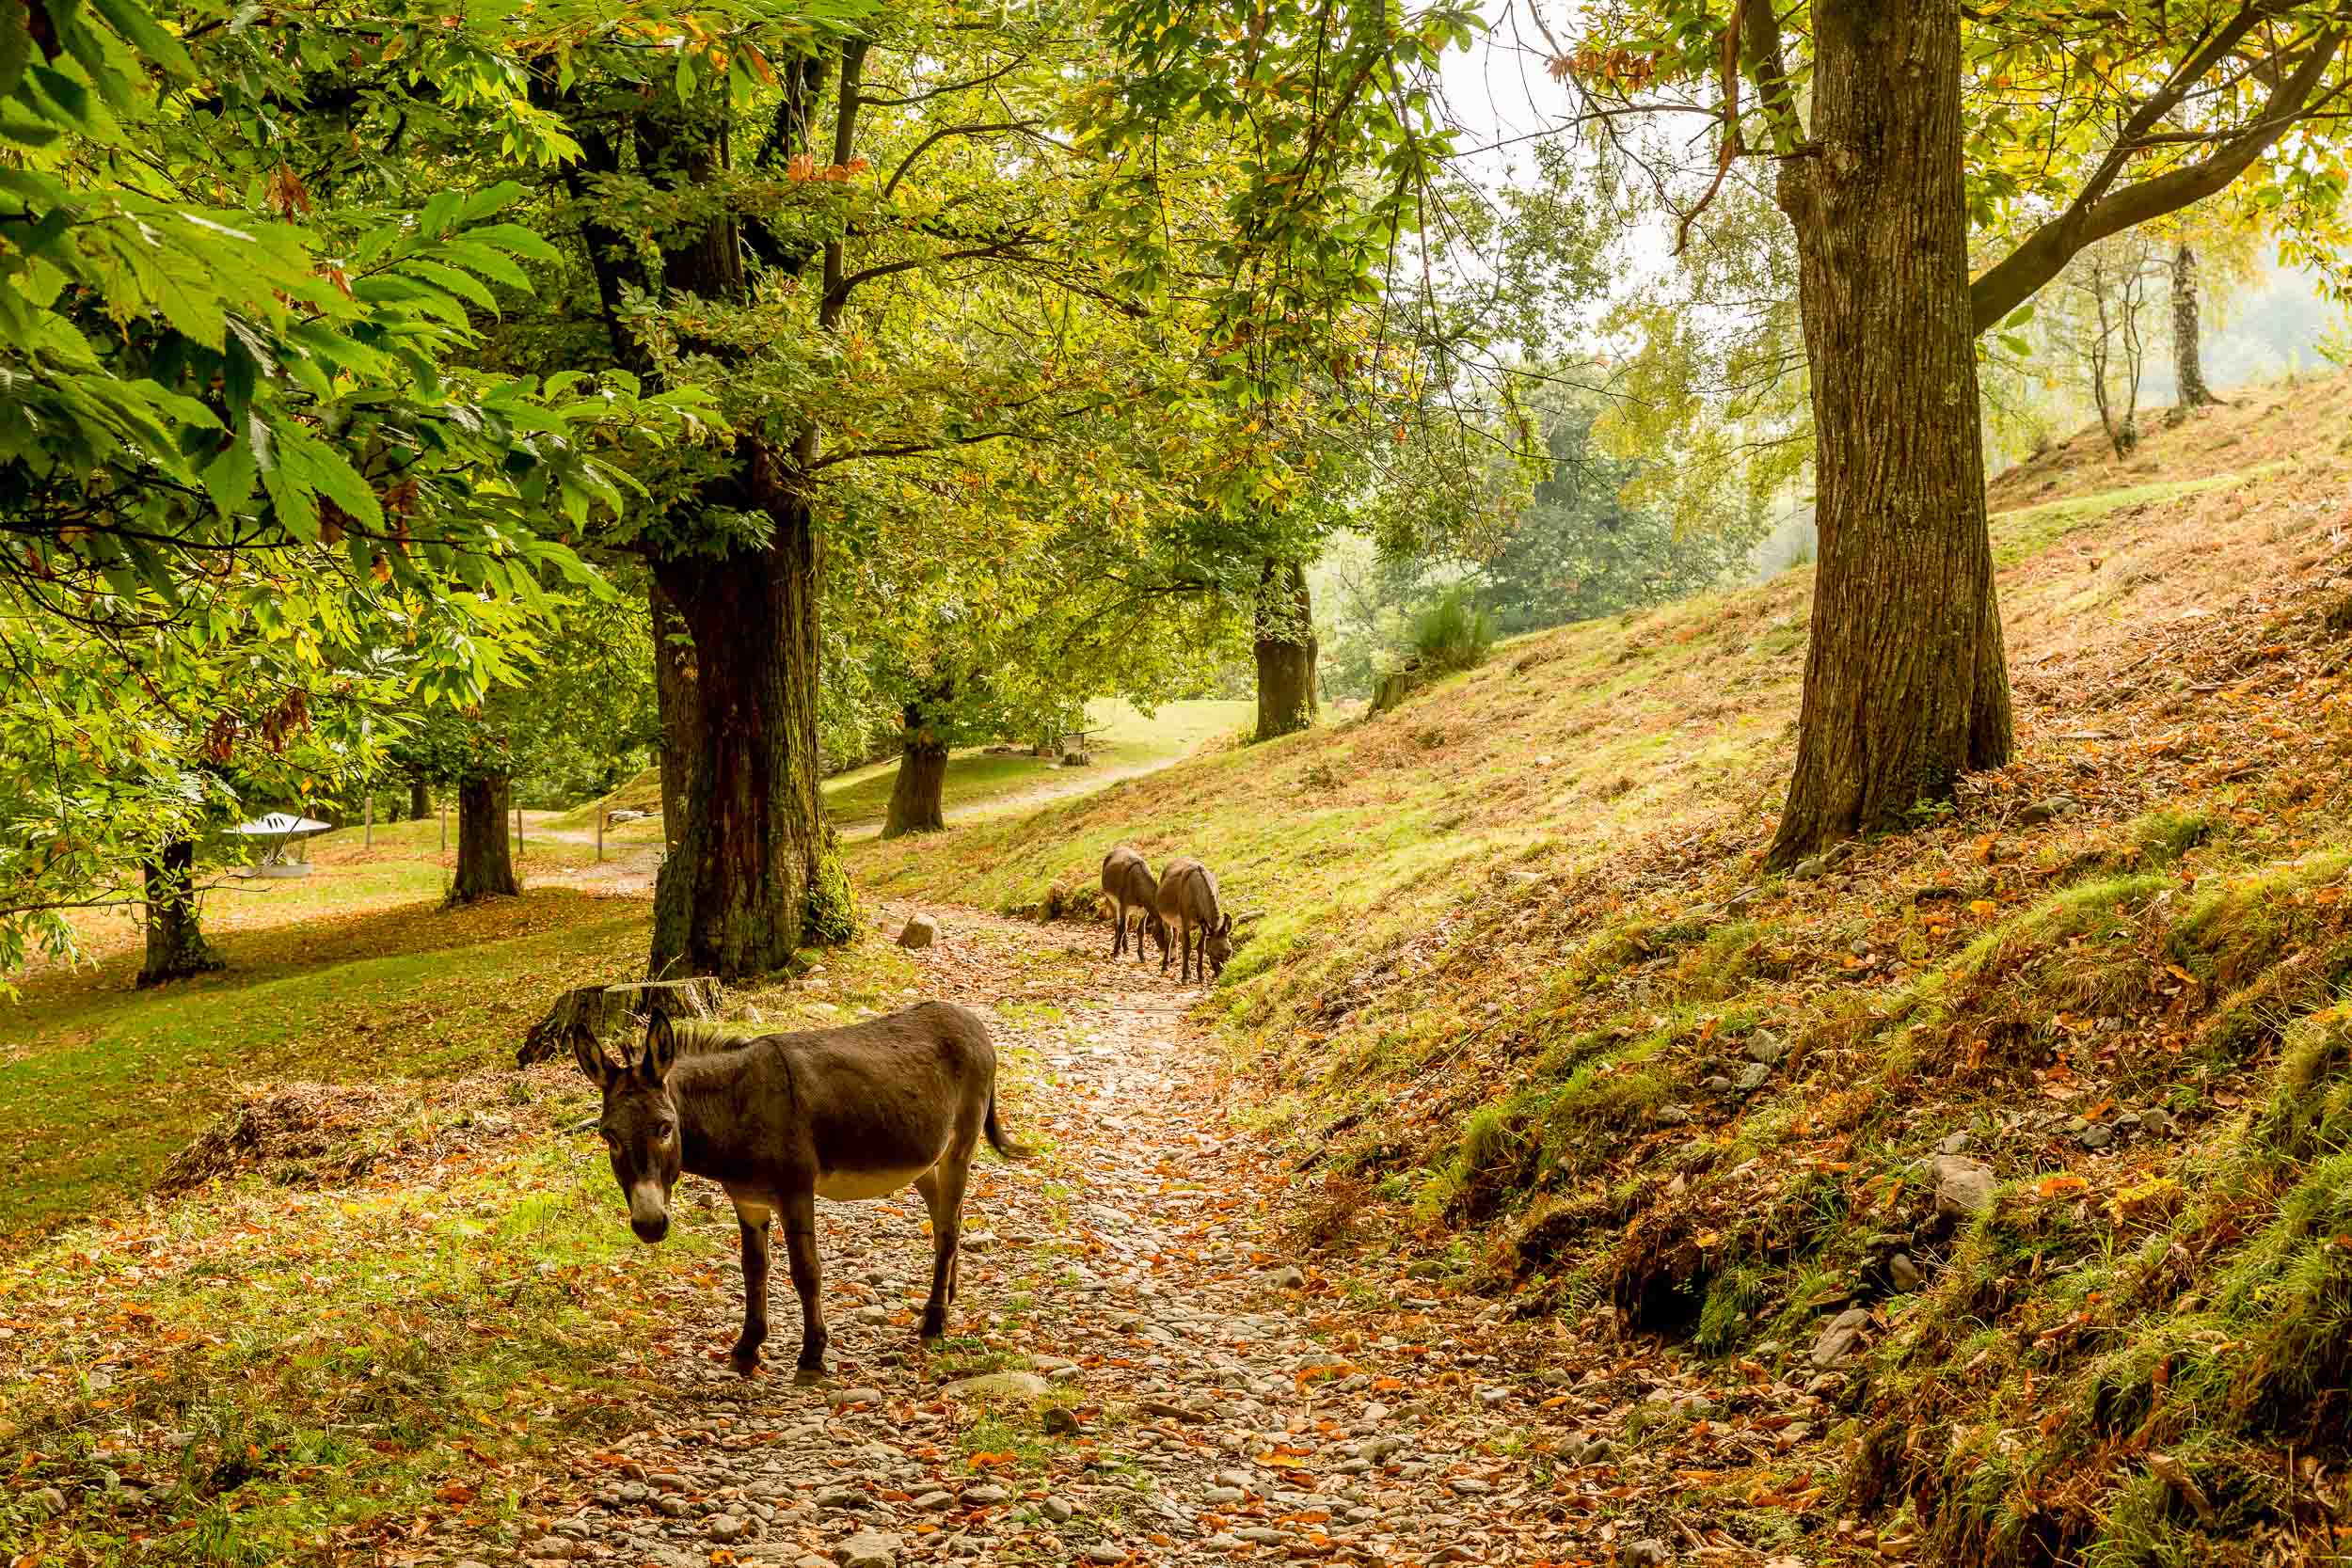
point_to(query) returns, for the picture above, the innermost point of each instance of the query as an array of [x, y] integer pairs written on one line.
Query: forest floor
[[1981, 1192], [1156, 1381]]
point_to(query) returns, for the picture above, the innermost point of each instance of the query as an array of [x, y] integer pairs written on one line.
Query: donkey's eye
[[667, 1131]]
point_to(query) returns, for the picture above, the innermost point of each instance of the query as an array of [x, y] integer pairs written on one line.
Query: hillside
[[2018, 1140], [1125, 742]]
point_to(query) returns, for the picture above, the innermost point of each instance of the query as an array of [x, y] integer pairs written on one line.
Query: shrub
[[1452, 634]]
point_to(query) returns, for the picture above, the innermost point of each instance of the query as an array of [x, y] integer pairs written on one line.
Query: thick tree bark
[[1286, 649], [419, 800], [680, 709], [1906, 686], [918, 797], [486, 849], [176, 947], [733, 897], [2188, 365]]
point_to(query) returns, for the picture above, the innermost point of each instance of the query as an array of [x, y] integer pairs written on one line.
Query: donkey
[[1127, 877], [782, 1120], [1189, 902]]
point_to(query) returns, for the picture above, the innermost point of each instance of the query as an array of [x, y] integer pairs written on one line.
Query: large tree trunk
[[680, 709], [733, 898], [1905, 684], [1286, 650], [486, 847], [918, 797], [419, 800], [176, 947], [2188, 366]]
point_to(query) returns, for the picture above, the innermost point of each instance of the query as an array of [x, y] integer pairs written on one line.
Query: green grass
[[1123, 739], [332, 1362]]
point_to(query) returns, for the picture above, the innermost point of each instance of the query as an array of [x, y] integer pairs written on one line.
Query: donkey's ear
[[589, 1053], [1224, 928], [660, 1049]]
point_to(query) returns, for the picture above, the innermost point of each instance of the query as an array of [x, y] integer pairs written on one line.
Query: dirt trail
[[1229, 1406]]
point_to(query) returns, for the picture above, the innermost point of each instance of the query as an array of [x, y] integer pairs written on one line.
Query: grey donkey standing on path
[[1188, 903], [1127, 877], [782, 1120]]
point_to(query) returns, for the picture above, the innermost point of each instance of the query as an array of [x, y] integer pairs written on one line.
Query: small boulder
[[727, 1526], [921, 931], [1062, 1421], [1287, 1277], [997, 1386], [1963, 1187], [1905, 1273], [1752, 1077], [1841, 1339], [1765, 1047], [869, 1548], [1810, 870], [1648, 1552], [49, 1501]]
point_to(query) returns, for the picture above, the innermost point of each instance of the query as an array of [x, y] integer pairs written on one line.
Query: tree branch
[[2045, 252], [923, 146]]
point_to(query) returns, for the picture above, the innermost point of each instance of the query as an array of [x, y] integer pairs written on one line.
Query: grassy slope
[[409, 1314], [1123, 739], [1517, 952]]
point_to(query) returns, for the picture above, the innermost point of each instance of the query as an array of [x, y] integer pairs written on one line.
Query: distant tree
[[1580, 550]]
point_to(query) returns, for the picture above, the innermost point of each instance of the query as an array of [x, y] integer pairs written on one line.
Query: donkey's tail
[[997, 1139]]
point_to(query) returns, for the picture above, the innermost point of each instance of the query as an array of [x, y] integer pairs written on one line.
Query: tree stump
[[615, 1015]]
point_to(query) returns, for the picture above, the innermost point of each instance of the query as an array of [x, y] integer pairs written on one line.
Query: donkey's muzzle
[[649, 1211]]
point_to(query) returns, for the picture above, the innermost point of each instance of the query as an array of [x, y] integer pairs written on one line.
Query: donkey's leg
[[1118, 938], [753, 1220], [947, 1179], [799, 1250], [943, 1253], [1165, 954]]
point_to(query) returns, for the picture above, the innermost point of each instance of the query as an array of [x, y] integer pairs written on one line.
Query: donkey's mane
[[701, 1037]]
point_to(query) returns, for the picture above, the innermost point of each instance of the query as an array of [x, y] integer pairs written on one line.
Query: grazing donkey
[[1127, 877], [1189, 902], [782, 1120]]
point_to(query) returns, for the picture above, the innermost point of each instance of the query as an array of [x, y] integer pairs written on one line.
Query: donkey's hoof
[[744, 1359], [934, 1324]]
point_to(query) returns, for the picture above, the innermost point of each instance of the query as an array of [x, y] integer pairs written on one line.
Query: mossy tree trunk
[[2188, 365], [733, 896], [485, 845], [680, 709], [918, 797], [1286, 649], [1906, 688], [176, 947]]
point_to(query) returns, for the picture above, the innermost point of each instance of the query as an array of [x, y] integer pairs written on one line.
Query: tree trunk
[[486, 849], [734, 896], [916, 799], [615, 1017], [680, 709], [419, 800], [2188, 366], [1286, 650], [176, 947], [1905, 684]]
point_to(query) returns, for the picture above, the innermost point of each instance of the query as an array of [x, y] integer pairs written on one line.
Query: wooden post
[[600, 833], [367, 833], [518, 830], [445, 824]]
